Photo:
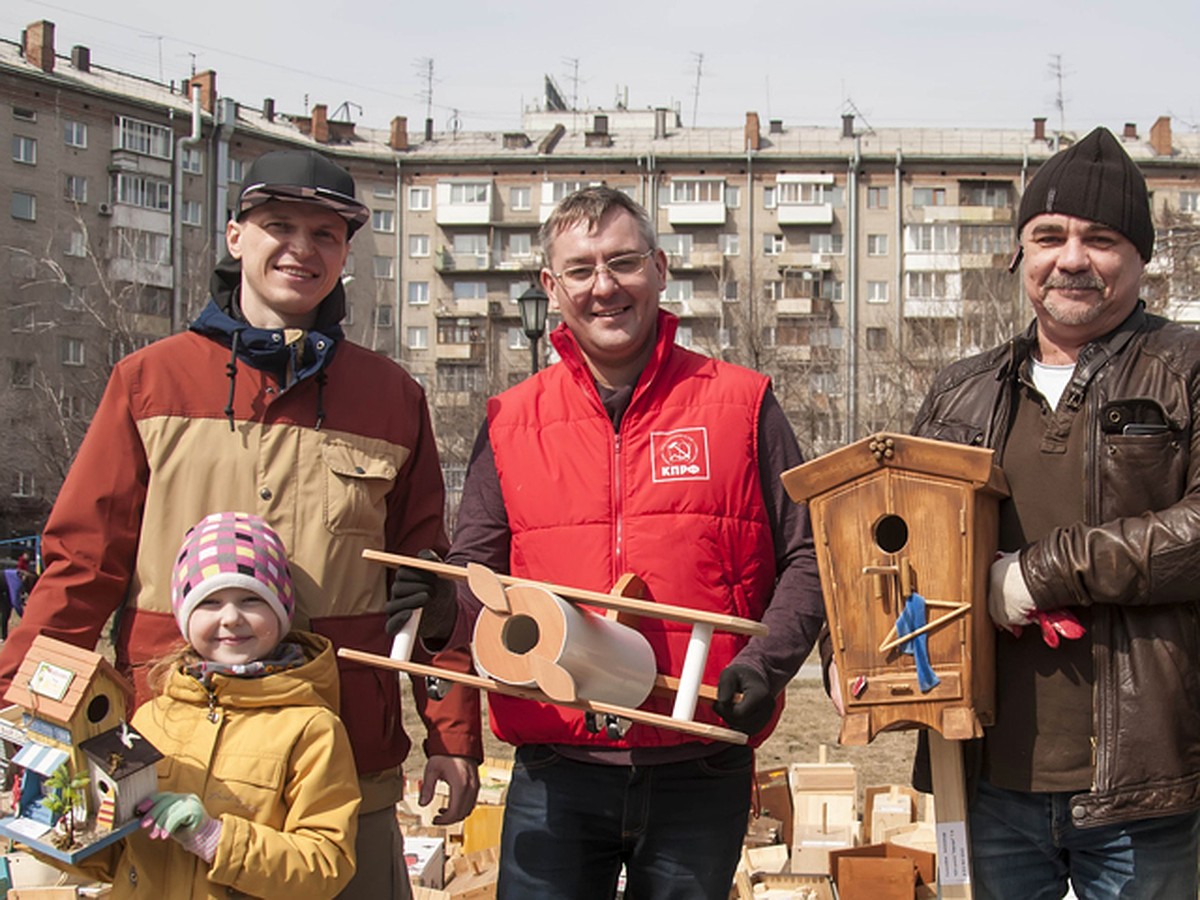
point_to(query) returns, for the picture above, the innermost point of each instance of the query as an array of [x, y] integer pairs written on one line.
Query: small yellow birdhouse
[[906, 530]]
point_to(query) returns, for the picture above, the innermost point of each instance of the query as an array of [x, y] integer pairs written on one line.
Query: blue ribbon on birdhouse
[[912, 618]]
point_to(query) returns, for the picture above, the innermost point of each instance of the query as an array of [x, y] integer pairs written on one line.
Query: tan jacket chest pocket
[[249, 786], [356, 487]]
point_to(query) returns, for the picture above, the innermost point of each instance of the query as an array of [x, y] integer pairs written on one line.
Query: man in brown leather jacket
[[1092, 770]]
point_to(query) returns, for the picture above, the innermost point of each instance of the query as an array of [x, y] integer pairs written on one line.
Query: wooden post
[[950, 807]]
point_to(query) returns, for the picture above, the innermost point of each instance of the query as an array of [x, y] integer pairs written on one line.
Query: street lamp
[[534, 304]]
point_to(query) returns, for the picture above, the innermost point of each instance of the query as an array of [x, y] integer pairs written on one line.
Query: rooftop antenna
[[159, 38], [1060, 102], [574, 62], [193, 56], [849, 107], [344, 111], [424, 68], [699, 57]]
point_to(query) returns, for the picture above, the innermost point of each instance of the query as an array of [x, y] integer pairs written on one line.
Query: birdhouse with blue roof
[[80, 760], [906, 529]]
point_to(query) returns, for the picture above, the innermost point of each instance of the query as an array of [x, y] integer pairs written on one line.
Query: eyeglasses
[[582, 277]]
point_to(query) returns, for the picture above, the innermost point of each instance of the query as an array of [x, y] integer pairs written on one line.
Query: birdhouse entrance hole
[[520, 634], [891, 533]]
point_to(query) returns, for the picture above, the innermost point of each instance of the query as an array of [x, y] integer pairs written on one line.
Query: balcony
[[794, 306], [693, 307], [931, 308], [980, 215], [804, 213], [697, 259], [449, 261], [707, 213], [462, 352]]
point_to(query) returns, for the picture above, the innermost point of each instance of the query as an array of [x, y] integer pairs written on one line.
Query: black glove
[[414, 589], [753, 711]]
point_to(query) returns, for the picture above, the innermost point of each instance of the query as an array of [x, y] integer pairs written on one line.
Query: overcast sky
[[936, 63]]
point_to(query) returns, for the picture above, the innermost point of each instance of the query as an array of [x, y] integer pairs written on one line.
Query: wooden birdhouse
[[75, 740], [906, 530]]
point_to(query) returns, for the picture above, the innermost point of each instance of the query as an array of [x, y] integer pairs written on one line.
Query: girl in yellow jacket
[[258, 795]]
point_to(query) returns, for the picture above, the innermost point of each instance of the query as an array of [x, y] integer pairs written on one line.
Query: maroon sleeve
[[90, 542]]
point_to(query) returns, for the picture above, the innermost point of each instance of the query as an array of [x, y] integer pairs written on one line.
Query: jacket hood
[[315, 683]]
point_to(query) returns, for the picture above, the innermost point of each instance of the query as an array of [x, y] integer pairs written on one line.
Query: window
[[384, 191], [470, 193], [877, 338], [348, 268], [147, 138], [928, 196], [877, 198], [877, 244], [75, 134], [769, 196], [517, 288], [520, 198], [71, 406], [22, 373], [192, 160], [383, 221], [830, 290], [460, 331], [470, 290], [560, 190], [23, 484], [877, 291], [677, 246], [697, 190], [929, 286], [138, 190], [1189, 201], [24, 149], [773, 244], [994, 239], [940, 238], [383, 315], [683, 335], [733, 196], [418, 245], [385, 267], [416, 337], [192, 212], [520, 246], [76, 246], [420, 198], [70, 351], [459, 379], [806, 194], [471, 249], [75, 189], [729, 244], [24, 113], [24, 206], [729, 291], [996, 194], [678, 291], [826, 243], [517, 339], [235, 169], [418, 293], [141, 246]]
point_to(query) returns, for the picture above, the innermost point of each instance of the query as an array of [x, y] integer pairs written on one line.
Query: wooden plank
[[950, 807], [630, 605], [658, 720]]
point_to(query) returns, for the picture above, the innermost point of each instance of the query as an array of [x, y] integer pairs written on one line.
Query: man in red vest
[[632, 455]]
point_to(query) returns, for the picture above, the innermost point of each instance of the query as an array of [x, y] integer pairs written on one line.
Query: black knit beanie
[[1093, 179]]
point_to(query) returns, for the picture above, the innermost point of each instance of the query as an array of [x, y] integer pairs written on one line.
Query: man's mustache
[[1075, 282]]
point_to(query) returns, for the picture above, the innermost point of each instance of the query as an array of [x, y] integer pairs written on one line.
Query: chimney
[[398, 136], [1160, 136], [81, 58], [847, 125], [1039, 128], [660, 123], [1130, 132], [775, 126], [429, 129], [268, 110], [38, 42], [320, 123], [753, 136], [207, 81]]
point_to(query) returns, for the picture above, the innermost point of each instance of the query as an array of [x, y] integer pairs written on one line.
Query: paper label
[[954, 863]]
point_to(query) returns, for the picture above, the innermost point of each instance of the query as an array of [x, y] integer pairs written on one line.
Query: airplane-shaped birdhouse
[[83, 767], [906, 529]]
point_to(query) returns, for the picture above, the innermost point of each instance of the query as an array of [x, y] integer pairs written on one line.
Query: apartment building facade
[[848, 263]]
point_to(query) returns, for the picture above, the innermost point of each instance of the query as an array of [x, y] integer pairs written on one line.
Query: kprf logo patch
[[679, 455]]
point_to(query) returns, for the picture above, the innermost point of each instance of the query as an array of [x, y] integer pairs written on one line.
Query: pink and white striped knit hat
[[232, 549]]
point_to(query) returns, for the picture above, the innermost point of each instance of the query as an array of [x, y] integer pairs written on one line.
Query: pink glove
[[1056, 625]]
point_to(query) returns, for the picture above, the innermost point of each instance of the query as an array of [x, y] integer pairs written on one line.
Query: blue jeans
[[677, 828], [1024, 845]]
